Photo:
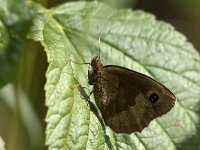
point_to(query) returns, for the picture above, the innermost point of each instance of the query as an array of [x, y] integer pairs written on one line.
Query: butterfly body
[[128, 100]]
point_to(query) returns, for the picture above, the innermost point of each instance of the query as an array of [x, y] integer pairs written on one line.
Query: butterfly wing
[[129, 100]]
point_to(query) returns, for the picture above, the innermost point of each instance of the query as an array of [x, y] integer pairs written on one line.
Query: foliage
[[134, 39]]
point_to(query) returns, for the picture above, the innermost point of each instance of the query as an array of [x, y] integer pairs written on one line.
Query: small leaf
[[4, 39], [16, 22], [133, 39], [2, 144]]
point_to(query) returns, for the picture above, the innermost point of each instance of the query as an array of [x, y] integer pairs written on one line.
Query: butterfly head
[[95, 73]]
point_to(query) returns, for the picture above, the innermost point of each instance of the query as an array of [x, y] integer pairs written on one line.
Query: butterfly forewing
[[135, 90]]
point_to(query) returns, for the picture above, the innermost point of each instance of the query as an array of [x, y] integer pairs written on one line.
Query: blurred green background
[[22, 102]]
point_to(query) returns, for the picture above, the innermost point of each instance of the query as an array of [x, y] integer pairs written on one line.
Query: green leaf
[[4, 39], [133, 39], [2, 144], [16, 20]]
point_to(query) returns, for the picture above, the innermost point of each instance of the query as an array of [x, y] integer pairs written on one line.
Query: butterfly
[[128, 100]]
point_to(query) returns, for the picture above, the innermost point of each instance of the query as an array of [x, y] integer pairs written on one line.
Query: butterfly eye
[[153, 98]]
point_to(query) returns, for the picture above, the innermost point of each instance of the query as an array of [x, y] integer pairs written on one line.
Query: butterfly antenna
[[83, 64], [99, 41], [99, 49], [80, 63]]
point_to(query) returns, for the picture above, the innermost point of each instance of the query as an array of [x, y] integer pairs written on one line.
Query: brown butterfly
[[128, 100]]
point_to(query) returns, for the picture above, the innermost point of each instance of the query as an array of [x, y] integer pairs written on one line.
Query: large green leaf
[[133, 39]]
